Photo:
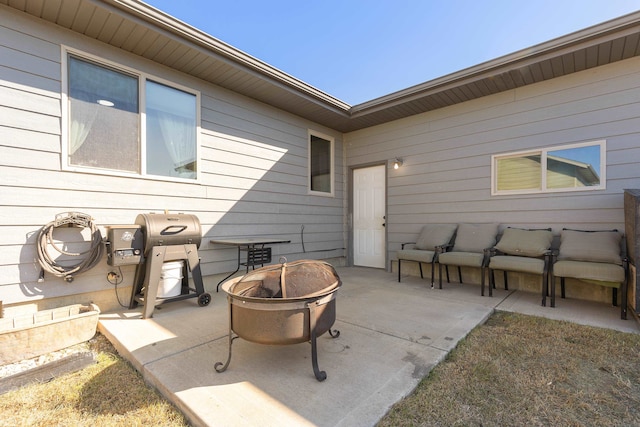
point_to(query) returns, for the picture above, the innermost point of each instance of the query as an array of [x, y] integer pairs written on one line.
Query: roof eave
[[627, 24]]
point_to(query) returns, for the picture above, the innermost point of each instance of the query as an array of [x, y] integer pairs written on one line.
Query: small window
[[320, 164], [576, 167], [121, 121]]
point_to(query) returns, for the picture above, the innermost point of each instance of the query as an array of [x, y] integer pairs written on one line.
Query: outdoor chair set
[[593, 257]]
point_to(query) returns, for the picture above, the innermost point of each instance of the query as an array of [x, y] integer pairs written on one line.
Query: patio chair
[[523, 251], [593, 257], [471, 249], [425, 249]]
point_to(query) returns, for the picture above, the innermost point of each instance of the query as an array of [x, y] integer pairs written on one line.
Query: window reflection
[[567, 168], [573, 167], [520, 173]]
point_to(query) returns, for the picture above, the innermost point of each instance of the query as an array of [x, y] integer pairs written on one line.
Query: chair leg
[[482, 282], [433, 270], [440, 274], [399, 263], [460, 274], [420, 265], [614, 297], [562, 294], [553, 291], [623, 305], [506, 283], [446, 267]]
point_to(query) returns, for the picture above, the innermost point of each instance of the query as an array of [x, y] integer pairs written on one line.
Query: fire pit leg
[[218, 365], [226, 364], [320, 375]]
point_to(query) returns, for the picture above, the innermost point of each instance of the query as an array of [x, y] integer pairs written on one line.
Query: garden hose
[[89, 258]]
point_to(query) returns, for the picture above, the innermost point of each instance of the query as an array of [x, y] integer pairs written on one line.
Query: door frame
[[352, 168]]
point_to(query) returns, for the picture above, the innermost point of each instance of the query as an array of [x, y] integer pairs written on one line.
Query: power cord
[[115, 279]]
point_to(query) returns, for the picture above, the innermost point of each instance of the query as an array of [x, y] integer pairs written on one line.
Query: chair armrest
[[407, 243], [444, 248], [487, 255], [492, 251]]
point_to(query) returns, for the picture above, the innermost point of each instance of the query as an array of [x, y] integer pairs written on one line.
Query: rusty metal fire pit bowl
[[283, 304]]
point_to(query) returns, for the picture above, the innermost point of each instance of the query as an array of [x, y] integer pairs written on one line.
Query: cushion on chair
[[528, 243], [415, 255], [593, 246], [517, 263], [475, 237], [433, 235], [606, 274], [466, 259]]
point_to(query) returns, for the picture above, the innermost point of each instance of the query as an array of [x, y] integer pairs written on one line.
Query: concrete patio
[[391, 335]]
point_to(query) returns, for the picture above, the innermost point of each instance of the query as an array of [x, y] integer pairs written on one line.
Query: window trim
[[142, 77], [543, 152], [331, 140]]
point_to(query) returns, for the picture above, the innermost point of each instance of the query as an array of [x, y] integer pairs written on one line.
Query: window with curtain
[[105, 117], [171, 131], [575, 167], [320, 164]]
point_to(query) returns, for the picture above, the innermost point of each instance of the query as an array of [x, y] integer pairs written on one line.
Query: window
[[171, 131], [125, 122], [320, 164], [576, 167]]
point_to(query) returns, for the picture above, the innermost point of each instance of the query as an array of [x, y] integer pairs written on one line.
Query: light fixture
[[397, 162], [105, 102]]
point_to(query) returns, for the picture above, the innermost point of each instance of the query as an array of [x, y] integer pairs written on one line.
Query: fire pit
[[283, 304]]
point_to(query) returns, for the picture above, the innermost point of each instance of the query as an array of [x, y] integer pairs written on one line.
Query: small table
[[256, 252]]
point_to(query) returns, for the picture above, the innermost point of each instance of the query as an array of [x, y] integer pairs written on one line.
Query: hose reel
[[89, 258]]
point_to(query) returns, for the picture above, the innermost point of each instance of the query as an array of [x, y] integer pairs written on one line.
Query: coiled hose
[[89, 258]]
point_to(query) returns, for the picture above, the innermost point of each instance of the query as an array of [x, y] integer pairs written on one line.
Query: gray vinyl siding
[[253, 171], [446, 175]]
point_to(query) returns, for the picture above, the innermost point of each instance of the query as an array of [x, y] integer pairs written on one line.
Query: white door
[[369, 241]]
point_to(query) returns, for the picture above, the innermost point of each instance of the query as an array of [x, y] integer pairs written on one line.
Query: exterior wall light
[[397, 162]]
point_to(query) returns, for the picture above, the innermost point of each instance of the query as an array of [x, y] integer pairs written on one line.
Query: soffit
[[135, 27]]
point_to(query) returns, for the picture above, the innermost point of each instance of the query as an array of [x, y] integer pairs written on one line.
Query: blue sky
[[358, 50]]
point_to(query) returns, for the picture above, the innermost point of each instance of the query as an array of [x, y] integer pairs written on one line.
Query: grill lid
[[169, 229]]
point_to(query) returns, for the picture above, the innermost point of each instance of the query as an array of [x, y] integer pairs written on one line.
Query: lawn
[[108, 393], [518, 370]]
